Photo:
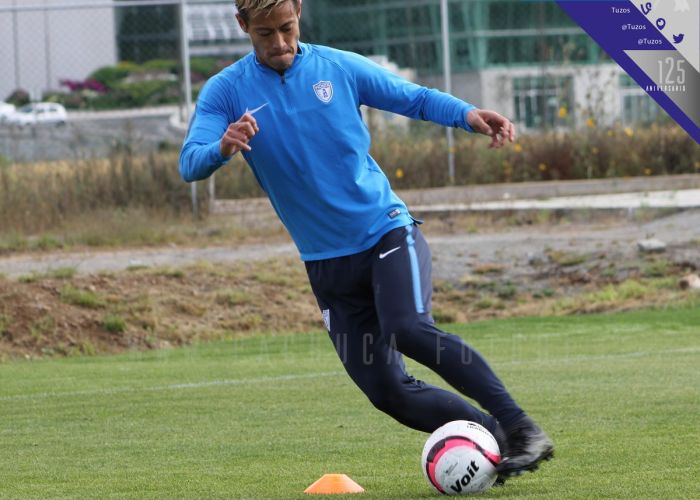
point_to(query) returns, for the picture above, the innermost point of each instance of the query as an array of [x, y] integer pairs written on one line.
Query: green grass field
[[264, 417]]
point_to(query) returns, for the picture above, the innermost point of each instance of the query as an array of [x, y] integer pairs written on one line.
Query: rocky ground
[[593, 248]]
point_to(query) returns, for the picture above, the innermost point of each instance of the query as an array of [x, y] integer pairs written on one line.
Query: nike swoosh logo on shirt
[[382, 255], [253, 111]]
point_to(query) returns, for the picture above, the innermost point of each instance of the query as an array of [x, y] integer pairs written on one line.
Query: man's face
[[275, 35]]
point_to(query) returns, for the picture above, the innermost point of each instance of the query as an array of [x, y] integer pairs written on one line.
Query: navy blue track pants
[[376, 306]]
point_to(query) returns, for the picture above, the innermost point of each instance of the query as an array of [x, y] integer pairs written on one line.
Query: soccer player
[[293, 111]]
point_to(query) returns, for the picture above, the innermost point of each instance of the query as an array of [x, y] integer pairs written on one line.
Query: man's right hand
[[238, 135]]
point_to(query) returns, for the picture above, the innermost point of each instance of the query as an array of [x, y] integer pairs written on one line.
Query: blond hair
[[251, 8]]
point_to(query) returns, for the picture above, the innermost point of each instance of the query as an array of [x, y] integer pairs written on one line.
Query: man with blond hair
[[293, 111]]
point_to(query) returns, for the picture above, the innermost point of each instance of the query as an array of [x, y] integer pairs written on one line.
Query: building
[[147, 32], [153, 32], [212, 30], [40, 46], [527, 59]]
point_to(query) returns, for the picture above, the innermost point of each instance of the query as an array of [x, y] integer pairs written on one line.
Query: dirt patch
[[563, 284], [158, 308], [536, 266], [152, 308]]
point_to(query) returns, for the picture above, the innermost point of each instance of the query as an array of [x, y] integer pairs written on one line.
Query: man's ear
[[242, 23]]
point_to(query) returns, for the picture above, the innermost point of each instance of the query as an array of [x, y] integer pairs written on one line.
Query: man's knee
[[393, 401], [400, 329], [413, 335]]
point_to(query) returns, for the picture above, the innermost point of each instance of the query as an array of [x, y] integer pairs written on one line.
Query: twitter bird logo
[[678, 38]]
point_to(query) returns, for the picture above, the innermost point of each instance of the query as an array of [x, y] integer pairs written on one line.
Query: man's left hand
[[499, 128]]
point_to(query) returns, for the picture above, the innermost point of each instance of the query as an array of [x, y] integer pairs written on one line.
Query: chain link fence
[[52, 48], [119, 66], [116, 66]]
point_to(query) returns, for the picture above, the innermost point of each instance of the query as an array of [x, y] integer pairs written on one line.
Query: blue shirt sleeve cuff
[[467, 127], [215, 154]]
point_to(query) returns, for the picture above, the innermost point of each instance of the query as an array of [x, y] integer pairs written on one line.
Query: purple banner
[[657, 42]]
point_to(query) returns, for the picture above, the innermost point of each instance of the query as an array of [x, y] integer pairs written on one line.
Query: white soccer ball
[[460, 458]]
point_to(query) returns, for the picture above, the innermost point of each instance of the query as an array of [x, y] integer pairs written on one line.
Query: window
[[543, 102], [484, 33], [637, 106]]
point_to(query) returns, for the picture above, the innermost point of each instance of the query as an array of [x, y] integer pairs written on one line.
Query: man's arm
[[381, 89], [211, 140]]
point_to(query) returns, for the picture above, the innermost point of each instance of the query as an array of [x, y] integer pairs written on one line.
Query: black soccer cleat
[[528, 445], [500, 435]]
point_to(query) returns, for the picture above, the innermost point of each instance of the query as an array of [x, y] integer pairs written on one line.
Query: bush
[[77, 100], [205, 66], [114, 324], [109, 76], [82, 298], [151, 83], [419, 159], [90, 85], [162, 65], [19, 98], [112, 100], [237, 181], [109, 88], [139, 94], [131, 68], [39, 197]]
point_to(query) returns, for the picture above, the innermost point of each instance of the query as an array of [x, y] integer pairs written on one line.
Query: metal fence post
[[187, 87], [447, 74], [15, 41]]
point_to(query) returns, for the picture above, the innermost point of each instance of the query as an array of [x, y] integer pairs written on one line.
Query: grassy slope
[[264, 417]]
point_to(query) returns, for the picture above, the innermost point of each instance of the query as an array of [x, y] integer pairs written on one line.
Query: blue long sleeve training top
[[311, 154]]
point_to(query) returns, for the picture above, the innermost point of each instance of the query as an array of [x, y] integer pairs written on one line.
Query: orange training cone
[[330, 484]]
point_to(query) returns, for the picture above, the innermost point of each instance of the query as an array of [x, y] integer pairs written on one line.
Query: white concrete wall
[[595, 88], [53, 45], [466, 86]]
